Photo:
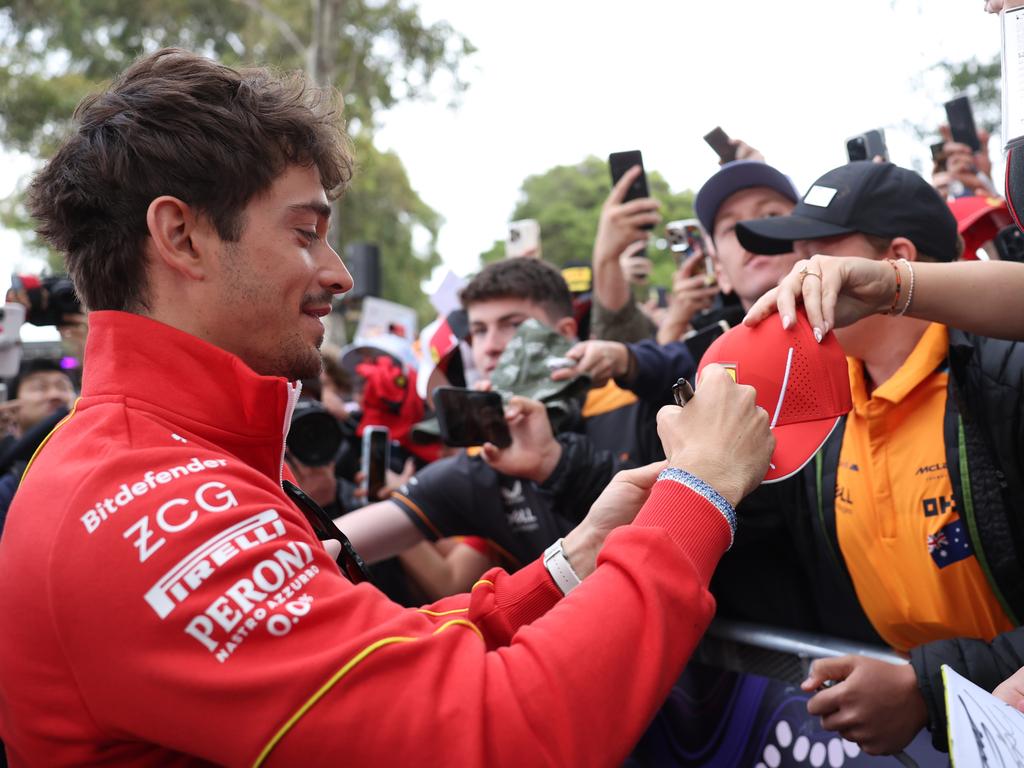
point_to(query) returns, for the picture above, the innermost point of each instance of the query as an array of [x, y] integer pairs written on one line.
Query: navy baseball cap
[[879, 199], [733, 177]]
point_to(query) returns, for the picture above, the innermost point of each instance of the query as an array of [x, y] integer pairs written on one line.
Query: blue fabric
[[657, 368]]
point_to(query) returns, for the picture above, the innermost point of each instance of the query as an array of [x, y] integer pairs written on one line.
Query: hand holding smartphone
[[686, 239], [867, 146], [523, 239], [961, 122], [719, 141], [468, 417], [619, 163]]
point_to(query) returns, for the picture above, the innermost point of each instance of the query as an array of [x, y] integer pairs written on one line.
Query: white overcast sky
[[553, 82]]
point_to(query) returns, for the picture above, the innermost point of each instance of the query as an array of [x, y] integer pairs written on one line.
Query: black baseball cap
[[733, 177], [866, 197]]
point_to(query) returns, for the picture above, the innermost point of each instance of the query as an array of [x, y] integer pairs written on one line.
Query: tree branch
[[282, 26]]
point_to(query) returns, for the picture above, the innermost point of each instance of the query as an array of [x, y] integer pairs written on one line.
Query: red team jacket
[[164, 603]]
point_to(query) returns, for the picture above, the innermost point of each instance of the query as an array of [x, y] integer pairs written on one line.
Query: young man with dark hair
[[162, 581], [521, 498], [909, 519], [534, 280]]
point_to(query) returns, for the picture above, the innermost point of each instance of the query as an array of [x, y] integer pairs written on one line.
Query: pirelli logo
[[185, 577]]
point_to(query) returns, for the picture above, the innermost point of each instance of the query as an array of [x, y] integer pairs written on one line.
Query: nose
[[334, 275], [494, 342]]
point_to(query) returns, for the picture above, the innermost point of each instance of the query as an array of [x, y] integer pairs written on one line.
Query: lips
[[316, 311]]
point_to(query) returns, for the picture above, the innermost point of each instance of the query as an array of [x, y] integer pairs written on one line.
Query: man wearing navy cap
[[744, 189], [739, 190], [909, 518]]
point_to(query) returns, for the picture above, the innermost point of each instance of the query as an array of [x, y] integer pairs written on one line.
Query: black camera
[[1010, 243], [315, 435], [49, 299]]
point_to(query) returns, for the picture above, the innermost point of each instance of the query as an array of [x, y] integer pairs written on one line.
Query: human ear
[[902, 248], [567, 327], [179, 240]]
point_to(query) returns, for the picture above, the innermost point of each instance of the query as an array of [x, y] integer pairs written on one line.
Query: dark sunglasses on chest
[[323, 526]]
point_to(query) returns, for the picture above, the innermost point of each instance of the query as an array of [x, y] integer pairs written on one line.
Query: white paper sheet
[[984, 732], [1013, 76]]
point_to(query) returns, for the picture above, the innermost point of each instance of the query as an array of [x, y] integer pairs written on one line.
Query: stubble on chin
[[297, 359]]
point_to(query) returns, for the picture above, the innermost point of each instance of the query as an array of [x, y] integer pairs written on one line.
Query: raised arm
[[981, 297]]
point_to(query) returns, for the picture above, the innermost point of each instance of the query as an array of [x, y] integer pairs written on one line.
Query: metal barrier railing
[[781, 654]]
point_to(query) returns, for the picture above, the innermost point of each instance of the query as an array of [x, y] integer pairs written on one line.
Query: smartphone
[[685, 238], [718, 140], [376, 458], [867, 146], [12, 317], [939, 155], [619, 163], [468, 417], [1009, 242], [961, 122], [523, 239]]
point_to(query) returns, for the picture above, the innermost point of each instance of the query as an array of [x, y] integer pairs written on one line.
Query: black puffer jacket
[[984, 437]]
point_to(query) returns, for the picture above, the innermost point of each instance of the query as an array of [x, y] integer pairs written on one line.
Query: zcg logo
[[171, 518]]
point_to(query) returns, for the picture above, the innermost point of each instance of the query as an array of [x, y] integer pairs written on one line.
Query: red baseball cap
[[978, 219], [803, 385]]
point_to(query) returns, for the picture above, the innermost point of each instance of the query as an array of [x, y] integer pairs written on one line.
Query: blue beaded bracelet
[[698, 486]]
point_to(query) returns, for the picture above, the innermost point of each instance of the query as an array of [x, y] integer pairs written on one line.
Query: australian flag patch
[[949, 545]]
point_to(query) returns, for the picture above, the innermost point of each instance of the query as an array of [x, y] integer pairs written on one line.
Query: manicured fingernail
[[786, 322], [817, 335]]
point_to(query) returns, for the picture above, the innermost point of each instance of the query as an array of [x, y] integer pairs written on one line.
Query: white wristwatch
[[558, 566]]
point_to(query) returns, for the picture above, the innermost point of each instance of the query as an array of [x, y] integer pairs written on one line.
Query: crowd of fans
[[568, 571]]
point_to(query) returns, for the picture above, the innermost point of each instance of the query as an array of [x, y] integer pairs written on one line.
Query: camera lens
[[315, 436]]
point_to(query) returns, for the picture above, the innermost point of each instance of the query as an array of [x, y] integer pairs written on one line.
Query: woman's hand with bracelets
[[837, 291]]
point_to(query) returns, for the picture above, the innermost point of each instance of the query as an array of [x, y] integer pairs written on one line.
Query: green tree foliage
[[567, 201], [53, 52], [381, 207]]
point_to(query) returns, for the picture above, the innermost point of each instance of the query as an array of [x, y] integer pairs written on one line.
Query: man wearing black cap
[[909, 516]]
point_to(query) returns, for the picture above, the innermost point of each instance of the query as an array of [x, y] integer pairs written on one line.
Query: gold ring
[[805, 272]]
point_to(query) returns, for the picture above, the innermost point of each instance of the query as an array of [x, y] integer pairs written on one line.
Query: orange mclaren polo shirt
[[899, 530]]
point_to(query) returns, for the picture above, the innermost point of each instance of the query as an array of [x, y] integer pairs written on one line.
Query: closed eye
[[310, 236]]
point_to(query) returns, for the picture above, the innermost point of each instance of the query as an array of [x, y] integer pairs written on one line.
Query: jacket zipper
[[294, 390]]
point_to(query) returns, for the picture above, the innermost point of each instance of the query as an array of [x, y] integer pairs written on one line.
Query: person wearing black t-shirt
[[522, 498]]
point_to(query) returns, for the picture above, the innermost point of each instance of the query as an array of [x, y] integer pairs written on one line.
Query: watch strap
[[558, 566]]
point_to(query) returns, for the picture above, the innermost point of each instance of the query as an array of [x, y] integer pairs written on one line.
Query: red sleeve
[[479, 543], [228, 634], [576, 683]]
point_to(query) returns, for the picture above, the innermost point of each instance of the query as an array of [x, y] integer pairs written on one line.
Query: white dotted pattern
[[783, 734], [801, 748]]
